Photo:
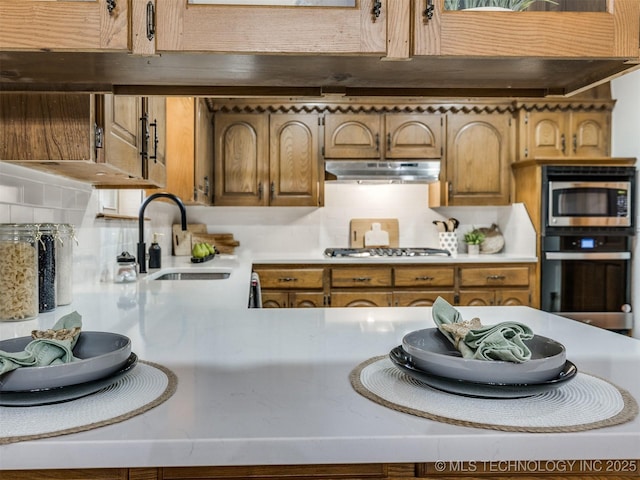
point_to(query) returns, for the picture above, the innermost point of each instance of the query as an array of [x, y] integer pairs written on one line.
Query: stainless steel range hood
[[389, 171]]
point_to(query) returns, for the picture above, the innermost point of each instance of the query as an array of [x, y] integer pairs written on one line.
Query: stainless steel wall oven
[[587, 242]]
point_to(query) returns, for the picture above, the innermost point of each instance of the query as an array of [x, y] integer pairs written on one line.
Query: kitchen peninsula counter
[[270, 387]]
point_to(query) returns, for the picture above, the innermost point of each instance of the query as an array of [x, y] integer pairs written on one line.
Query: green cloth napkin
[[503, 341], [45, 351]]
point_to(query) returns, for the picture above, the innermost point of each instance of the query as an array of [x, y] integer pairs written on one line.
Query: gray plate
[[479, 389], [65, 394], [100, 354], [432, 352]]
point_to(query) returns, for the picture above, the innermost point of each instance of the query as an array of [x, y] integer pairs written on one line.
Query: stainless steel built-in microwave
[[590, 198]]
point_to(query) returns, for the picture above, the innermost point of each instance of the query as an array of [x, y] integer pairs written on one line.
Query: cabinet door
[[361, 299], [413, 136], [241, 160], [123, 133], [420, 298], [513, 297], [590, 133], [477, 165], [203, 151], [206, 26], [352, 136], [293, 160], [545, 134], [306, 299], [594, 33], [46, 128], [275, 299], [156, 170], [477, 298], [86, 25]]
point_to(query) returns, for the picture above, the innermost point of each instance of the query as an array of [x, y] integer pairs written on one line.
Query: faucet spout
[[142, 255]]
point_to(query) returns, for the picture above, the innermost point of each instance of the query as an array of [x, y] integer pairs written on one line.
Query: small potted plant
[[515, 5], [473, 239]]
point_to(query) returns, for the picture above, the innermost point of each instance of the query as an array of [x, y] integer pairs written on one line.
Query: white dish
[[432, 353], [100, 354], [480, 389]]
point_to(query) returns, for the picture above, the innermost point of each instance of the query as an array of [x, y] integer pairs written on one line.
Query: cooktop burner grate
[[385, 252]]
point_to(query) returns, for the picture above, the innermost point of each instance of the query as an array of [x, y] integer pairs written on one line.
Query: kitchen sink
[[189, 274]]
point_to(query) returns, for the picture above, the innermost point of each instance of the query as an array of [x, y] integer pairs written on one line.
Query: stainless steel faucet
[[142, 249]]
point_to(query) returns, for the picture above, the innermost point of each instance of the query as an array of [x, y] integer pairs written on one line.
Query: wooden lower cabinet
[[299, 286], [294, 286], [470, 470]]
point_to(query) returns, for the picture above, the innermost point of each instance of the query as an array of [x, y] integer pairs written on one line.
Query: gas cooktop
[[385, 252]]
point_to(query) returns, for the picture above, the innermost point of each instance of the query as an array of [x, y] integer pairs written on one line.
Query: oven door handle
[[587, 255]]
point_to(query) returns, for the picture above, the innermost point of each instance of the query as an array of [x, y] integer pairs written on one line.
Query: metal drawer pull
[[362, 279], [425, 278], [287, 279], [495, 277]]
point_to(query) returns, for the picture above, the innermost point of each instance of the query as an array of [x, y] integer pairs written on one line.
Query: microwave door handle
[[587, 255]]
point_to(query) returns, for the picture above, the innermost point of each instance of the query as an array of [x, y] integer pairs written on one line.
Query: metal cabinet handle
[[388, 142], [272, 191], [154, 125], [428, 11], [151, 20], [495, 277], [287, 279], [575, 143], [377, 142], [425, 278], [260, 191], [111, 6], [377, 8], [361, 279], [144, 123], [563, 143]]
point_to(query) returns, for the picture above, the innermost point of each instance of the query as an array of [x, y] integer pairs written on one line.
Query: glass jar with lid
[[65, 239], [18, 272], [46, 234], [125, 268]]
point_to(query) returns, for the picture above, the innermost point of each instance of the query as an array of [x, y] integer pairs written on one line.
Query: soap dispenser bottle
[[155, 252]]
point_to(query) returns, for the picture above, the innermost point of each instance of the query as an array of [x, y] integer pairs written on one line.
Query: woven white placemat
[[584, 403], [145, 387]]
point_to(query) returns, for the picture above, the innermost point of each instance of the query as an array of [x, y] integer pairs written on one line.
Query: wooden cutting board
[[358, 227], [196, 232]]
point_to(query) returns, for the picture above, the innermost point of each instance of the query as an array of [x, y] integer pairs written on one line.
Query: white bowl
[[432, 352], [100, 354]]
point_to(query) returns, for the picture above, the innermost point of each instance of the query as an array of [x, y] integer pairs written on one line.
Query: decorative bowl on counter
[[432, 353], [99, 355]]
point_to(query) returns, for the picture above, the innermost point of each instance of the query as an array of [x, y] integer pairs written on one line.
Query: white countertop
[[271, 387]]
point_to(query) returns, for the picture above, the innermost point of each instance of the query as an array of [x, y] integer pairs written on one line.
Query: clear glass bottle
[[18, 272], [65, 239], [46, 233]]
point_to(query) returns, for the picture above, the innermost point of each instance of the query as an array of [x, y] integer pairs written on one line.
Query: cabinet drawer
[[361, 277], [490, 277], [423, 277], [290, 278]]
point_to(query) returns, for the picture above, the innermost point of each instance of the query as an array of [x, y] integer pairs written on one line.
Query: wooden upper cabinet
[[93, 138], [86, 25], [293, 160], [240, 169], [564, 134], [477, 160], [263, 160], [204, 27], [379, 136], [189, 149], [592, 34]]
